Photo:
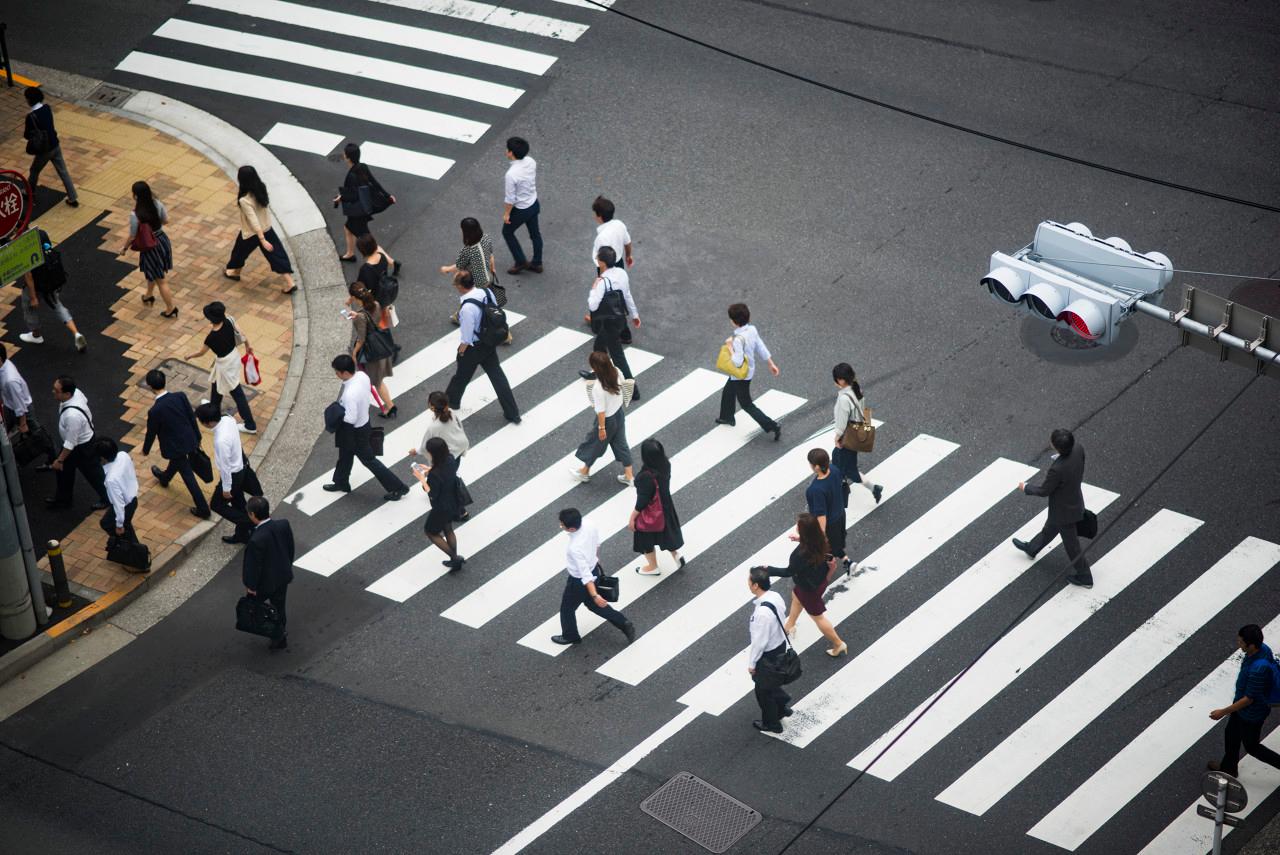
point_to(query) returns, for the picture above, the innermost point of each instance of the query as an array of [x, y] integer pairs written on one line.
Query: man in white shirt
[[122, 489], [473, 353], [767, 642], [609, 306], [14, 393], [745, 344], [352, 435], [612, 233], [520, 206], [580, 587], [234, 475], [75, 426]]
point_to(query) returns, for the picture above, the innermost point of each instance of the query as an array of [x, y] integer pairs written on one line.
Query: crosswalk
[[964, 503], [415, 82]]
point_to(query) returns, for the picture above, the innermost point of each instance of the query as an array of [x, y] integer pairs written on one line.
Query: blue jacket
[[1254, 680], [42, 118]]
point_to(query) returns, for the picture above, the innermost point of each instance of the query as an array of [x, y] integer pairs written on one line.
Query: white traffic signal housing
[[1068, 276]]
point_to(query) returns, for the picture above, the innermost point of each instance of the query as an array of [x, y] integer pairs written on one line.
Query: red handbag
[[652, 518], [145, 239]]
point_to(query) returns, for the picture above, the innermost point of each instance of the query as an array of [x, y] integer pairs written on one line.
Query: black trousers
[[524, 217], [609, 340], [80, 459], [1070, 542], [108, 522], [276, 598], [740, 391], [242, 405], [353, 442], [182, 466], [575, 594], [481, 356], [773, 699], [1249, 734], [244, 247], [233, 509]]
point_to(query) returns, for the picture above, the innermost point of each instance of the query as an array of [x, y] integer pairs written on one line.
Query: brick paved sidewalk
[[105, 154]]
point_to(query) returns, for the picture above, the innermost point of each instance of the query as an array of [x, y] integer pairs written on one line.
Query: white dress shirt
[[470, 316], [75, 426], [228, 453], [613, 233], [613, 279], [766, 630], [13, 390], [521, 183], [451, 432], [580, 556], [356, 398], [748, 345], [122, 484]]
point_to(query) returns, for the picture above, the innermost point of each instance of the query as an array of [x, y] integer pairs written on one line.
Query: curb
[[304, 232]]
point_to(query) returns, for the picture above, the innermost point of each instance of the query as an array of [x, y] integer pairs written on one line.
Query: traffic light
[[1069, 277]]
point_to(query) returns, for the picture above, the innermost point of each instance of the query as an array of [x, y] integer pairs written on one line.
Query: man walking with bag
[[609, 305], [353, 431], [45, 283], [75, 426], [268, 563], [234, 475], [580, 588], [1062, 485], [1255, 688], [768, 646], [482, 327], [174, 422], [43, 143]]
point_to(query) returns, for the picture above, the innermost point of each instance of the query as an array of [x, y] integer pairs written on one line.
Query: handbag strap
[[770, 607], [857, 407]]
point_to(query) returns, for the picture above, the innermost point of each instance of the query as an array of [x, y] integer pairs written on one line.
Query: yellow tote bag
[[724, 362]]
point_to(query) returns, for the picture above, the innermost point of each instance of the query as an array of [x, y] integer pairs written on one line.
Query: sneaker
[[244, 429], [576, 472], [32, 339], [81, 344], [623, 479]]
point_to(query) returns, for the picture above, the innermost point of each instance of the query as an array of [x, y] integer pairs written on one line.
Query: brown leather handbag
[[859, 435]]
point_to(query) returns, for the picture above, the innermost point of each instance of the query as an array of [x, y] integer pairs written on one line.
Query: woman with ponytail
[[147, 237], [851, 406], [256, 231], [446, 424]]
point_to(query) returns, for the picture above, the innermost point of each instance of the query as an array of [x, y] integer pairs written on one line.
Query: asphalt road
[[853, 233]]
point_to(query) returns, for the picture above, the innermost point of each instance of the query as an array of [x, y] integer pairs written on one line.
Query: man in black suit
[[1061, 484], [174, 422], [268, 561]]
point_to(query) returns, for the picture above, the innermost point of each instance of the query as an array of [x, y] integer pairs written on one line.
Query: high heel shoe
[[148, 300], [838, 651], [680, 562], [172, 314]]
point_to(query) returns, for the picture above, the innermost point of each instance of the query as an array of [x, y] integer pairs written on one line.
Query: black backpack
[[612, 305], [387, 290], [50, 276], [493, 322]]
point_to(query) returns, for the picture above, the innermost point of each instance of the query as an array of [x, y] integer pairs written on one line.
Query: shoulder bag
[[145, 239], [626, 387], [378, 343], [651, 518], [782, 669], [1088, 525], [860, 433], [607, 586], [724, 362]]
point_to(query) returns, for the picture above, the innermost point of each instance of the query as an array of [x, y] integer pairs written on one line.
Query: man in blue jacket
[[1254, 686], [43, 144]]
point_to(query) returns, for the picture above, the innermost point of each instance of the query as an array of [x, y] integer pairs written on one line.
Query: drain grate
[[712, 819], [112, 96]]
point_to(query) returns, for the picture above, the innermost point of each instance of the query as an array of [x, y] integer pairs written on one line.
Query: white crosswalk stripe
[[1141, 760], [496, 16]]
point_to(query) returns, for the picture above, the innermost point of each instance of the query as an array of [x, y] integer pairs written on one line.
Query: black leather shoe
[[1081, 581], [1023, 546], [759, 725], [786, 712], [629, 630], [560, 639], [516, 420], [394, 495], [587, 375], [336, 488], [876, 492], [729, 422], [777, 432], [196, 512], [231, 538], [159, 474]]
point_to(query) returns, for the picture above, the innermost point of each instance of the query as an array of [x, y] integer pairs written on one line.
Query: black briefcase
[[201, 465], [607, 586], [258, 618], [32, 444], [132, 554], [1088, 525], [251, 485], [377, 439]]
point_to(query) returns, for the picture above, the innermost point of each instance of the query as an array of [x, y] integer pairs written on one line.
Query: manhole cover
[[1064, 337], [182, 376], [112, 96], [705, 815]]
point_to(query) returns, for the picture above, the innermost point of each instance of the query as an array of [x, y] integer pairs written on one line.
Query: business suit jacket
[[1062, 485], [174, 422], [268, 557]]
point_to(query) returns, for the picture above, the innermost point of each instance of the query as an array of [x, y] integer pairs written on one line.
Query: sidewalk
[[105, 154]]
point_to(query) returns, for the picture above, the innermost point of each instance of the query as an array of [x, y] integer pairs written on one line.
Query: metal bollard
[[59, 570]]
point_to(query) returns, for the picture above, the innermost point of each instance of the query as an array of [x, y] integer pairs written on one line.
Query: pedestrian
[[851, 407], [45, 283], [122, 489], [172, 420], [609, 428], [236, 480], [612, 233], [75, 427], [477, 347], [439, 479], [609, 305], [521, 206], [826, 499], [768, 644], [43, 143], [352, 434], [15, 395], [256, 231], [1255, 686], [810, 569], [583, 566], [374, 274], [653, 485], [268, 563], [224, 375], [746, 344], [444, 423], [361, 196], [155, 253], [364, 311], [476, 258], [1062, 485]]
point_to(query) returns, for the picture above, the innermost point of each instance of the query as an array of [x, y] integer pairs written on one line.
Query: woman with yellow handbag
[[854, 431], [738, 359]]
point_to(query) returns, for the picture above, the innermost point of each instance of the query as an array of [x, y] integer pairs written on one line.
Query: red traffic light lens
[[1078, 324]]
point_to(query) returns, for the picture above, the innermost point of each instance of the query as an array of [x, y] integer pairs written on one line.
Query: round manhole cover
[[1064, 337]]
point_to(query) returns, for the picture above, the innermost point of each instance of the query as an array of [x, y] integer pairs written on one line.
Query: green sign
[[20, 255]]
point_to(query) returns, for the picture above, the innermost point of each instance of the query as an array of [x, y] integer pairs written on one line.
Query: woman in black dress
[[654, 480], [810, 568], [353, 207], [440, 480]]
